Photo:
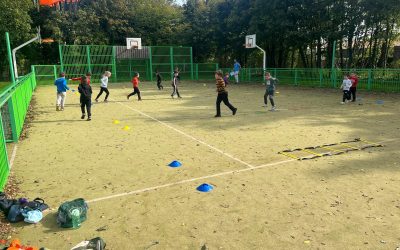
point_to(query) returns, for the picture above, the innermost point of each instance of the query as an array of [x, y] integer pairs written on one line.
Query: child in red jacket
[[135, 83], [88, 75]]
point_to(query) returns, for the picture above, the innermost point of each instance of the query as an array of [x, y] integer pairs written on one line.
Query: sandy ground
[[349, 201]]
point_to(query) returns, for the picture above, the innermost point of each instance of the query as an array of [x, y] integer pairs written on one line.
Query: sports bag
[[72, 213]]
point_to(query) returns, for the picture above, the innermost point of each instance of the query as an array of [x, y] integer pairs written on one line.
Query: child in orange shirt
[[135, 82]]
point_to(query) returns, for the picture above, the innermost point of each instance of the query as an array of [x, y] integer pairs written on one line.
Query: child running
[[159, 85], [86, 97], [270, 83], [346, 85], [88, 76], [175, 81], [62, 88], [222, 94], [103, 87], [135, 83]]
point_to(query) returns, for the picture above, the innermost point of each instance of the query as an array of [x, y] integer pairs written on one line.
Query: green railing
[[385, 80], [14, 105]]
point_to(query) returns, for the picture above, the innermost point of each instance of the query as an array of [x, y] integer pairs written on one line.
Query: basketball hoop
[[133, 43]]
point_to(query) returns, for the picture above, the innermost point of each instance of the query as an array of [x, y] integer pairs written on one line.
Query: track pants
[[103, 89], [135, 91], [223, 97], [346, 95], [88, 104], [353, 91]]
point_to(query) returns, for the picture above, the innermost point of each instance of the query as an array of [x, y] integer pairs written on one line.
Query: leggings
[[269, 94], [175, 88], [103, 89], [135, 91]]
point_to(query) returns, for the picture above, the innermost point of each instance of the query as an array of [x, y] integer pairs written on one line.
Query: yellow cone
[[126, 128], [116, 122], [277, 92]]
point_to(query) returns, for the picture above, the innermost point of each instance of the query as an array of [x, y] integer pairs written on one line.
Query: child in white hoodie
[[346, 89], [103, 86]]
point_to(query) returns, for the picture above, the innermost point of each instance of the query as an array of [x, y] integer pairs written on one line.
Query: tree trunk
[[319, 51]]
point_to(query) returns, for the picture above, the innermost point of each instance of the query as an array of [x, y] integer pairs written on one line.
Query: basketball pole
[[264, 58], [14, 52]]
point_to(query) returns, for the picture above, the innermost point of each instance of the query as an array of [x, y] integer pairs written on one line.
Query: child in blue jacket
[[62, 88]]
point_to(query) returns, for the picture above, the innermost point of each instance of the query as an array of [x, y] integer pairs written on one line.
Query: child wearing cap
[[62, 88], [135, 83]]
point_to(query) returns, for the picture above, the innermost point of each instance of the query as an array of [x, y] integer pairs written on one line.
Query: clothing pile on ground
[[22, 209]]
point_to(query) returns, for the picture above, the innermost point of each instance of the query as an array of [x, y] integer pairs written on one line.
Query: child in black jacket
[[86, 97]]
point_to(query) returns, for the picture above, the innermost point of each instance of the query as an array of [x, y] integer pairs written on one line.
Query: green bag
[[72, 213]]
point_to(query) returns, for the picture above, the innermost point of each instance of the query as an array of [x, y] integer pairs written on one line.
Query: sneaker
[[273, 108], [88, 119], [341, 102], [83, 116], [62, 109], [180, 97], [127, 97], [57, 108], [105, 100], [217, 115], [96, 100], [234, 111]]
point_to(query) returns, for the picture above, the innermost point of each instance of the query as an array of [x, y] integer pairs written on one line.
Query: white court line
[[202, 178], [189, 180], [14, 153], [187, 135]]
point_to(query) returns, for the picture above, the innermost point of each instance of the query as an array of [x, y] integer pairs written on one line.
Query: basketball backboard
[[250, 41], [133, 43]]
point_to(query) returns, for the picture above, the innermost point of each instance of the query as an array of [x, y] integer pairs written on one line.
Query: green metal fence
[[76, 60], [385, 80], [14, 105]]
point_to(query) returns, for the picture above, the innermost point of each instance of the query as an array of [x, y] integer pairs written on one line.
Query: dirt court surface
[[349, 201]]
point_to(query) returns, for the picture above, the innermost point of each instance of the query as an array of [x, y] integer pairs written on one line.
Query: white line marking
[[187, 135], [189, 180], [202, 178], [14, 153]]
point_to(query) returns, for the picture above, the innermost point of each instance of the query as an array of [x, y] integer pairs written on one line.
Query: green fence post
[[10, 58], [369, 79], [88, 58], [320, 77], [197, 71], [13, 117], [151, 64], [61, 57], [114, 64], [191, 63], [295, 77], [55, 72], [171, 54]]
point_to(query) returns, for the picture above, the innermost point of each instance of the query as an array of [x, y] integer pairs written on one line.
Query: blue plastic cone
[[175, 164], [205, 188]]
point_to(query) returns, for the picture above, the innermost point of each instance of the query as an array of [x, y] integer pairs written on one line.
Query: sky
[[180, 2]]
